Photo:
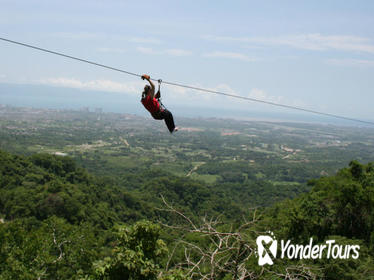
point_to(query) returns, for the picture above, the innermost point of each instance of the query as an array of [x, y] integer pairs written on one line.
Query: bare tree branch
[[226, 252]]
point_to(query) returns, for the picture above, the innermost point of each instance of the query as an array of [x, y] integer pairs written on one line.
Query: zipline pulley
[[158, 94]]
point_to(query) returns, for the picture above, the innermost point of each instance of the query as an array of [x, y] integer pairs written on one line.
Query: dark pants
[[167, 116]]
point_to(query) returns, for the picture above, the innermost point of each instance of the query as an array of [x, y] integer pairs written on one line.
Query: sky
[[313, 54]]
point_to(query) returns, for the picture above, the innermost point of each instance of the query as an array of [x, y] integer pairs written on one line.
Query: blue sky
[[314, 54]]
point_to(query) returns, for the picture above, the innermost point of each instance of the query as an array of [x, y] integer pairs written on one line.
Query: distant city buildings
[[84, 109], [98, 110]]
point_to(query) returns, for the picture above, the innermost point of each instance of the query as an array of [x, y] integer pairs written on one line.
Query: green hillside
[[60, 222]]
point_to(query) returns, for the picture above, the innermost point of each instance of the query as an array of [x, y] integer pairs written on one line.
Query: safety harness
[[158, 95]]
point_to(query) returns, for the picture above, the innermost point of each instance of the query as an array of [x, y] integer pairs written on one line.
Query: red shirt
[[151, 104]]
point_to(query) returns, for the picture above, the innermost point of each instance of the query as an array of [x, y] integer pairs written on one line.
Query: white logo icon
[[264, 250], [267, 247]]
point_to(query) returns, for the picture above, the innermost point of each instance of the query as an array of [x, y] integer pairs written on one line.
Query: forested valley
[[92, 196]]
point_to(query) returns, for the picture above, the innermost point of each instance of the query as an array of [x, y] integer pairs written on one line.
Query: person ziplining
[[159, 113], [152, 103]]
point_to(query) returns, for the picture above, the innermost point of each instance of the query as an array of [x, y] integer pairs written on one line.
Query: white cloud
[[172, 93], [175, 89], [259, 94], [171, 52], [2, 76], [225, 88], [177, 52], [98, 85], [77, 35], [190, 96], [146, 50], [196, 95], [231, 55], [314, 41], [262, 95], [351, 62], [111, 50], [144, 40], [105, 36], [182, 93]]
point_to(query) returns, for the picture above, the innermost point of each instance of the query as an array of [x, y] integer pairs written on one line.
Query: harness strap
[[158, 95]]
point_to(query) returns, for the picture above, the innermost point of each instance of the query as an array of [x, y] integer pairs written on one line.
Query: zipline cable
[[270, 103], [71, 57], [189, 87]]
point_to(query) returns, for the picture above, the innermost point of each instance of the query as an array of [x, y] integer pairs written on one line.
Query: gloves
[[147, 77]]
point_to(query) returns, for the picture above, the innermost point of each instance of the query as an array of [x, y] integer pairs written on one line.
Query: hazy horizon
[[314, 55], [50, 97]]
